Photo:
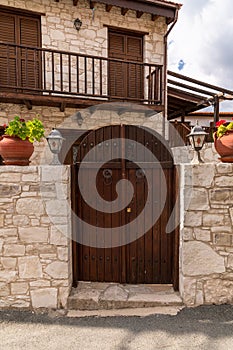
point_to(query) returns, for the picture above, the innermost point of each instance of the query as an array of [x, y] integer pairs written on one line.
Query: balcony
[[38, 76]]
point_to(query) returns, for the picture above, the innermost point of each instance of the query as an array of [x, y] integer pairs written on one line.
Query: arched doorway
[[141, 157]]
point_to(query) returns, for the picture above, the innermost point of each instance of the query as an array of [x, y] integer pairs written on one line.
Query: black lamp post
[[55, 141], [197, 139]]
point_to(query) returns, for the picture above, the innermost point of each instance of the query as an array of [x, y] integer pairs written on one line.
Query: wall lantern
[[197, 139], [77, 24], [55, 141]]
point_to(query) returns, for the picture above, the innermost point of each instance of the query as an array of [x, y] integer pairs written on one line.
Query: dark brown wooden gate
[[151, 257]]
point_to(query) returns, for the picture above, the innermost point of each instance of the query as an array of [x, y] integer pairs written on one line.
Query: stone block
[[217, 291], [63, 253], [30, 206], [230, 261], [54, 173], [202, 235], [224, 181], [203, 175], [221, 196], [196, 199], [188, 290], [9, 190], [200, 259], [19, 288], [193, 219], [224, 168], [8, 276], [56, 207], [57, 237], [63, 293], [29, 267], [13, 250], [223, 239], [44, 298], [57, 270], [8, 263], [33, 234], [4, 289], [2, 220], [7, 232], [20, 220], [39, 283], [212, 219], [231, 214]]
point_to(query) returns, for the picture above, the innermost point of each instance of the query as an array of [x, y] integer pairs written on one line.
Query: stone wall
[[206, 244], [35, 255]]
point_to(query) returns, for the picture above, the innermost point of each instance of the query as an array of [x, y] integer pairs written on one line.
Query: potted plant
[[223, 140], [16, 145]]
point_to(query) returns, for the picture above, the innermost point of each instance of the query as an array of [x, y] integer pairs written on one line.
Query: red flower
[[4, 125], [22, 120], [220, 122]]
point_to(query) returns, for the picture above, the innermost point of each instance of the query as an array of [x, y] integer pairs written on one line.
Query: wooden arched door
[[144, 160]]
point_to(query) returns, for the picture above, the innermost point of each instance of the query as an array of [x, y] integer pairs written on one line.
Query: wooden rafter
[[28, 104], [139, 14], [154, 17], [92, 5], [108, 8], [124, 11]]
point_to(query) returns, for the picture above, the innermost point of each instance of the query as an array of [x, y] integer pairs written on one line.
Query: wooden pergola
[[187, 95]]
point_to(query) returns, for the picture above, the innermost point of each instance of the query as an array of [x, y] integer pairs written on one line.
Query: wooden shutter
[[20, 67], [117, 70], [125, 79], [30, 66], [134, 49], [7, 56]]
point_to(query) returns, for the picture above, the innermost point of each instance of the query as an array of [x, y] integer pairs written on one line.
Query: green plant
[[33, 130], [222, 127]]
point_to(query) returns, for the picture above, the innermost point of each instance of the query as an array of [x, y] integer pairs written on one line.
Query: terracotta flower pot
[[224, 146], [15, 151]]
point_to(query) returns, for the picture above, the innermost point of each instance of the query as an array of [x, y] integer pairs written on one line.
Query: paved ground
[[209, 328]]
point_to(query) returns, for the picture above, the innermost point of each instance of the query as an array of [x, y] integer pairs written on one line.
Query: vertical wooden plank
[[108, 190], [141, 193], [100, 254], [175, 272], [74, 226], [77, 73], [69, 71], [123, 214], [61, 72], [85, 74], [53, 82]]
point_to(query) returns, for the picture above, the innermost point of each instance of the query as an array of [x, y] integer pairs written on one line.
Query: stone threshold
[[112, 296]]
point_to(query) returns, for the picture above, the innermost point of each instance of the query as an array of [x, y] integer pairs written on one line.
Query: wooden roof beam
[[139, 14], [124, 11], [28, 104], [154, 17], [108, 8], [92, 5]]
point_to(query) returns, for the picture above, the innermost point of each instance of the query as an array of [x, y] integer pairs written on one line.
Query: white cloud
[[203, 39]]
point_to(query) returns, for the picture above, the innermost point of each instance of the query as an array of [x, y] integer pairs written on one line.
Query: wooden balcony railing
[[42, 71]]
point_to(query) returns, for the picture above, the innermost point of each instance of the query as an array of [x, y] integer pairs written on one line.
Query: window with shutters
[[126, 77], [20, 66]]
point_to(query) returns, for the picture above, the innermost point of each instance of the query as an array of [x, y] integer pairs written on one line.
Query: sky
[[200, 44]]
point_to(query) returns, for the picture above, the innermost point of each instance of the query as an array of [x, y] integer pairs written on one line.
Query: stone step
[[106, 296]]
